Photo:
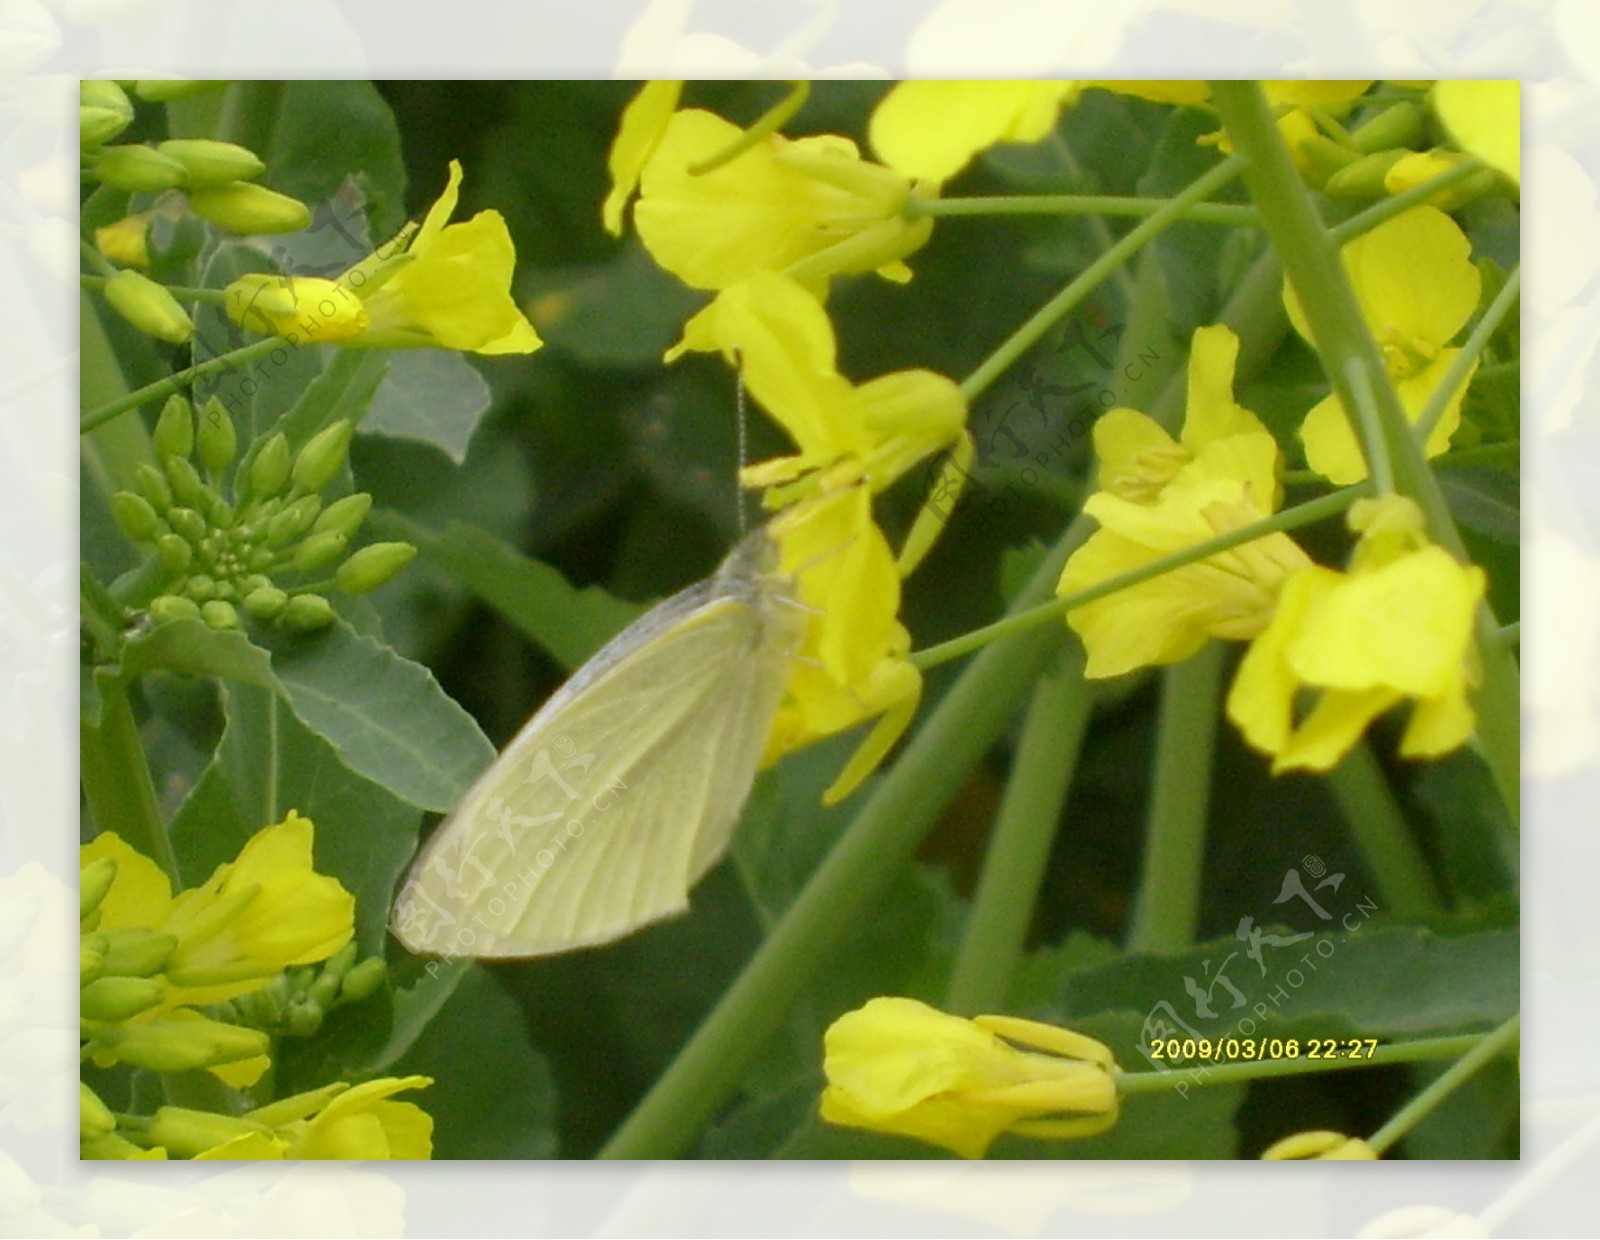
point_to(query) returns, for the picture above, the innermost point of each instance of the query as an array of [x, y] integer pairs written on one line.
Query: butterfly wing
[[618, 794]]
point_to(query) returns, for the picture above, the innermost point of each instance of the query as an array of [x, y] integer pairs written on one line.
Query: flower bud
[[321, 458], [1364, 177], [166, 607], [94, 1117], [363, 980], [186, 483], [153, 486], [319, 552], [219, 512], [94, 880], [126, 242], [344, 516], [1398, 125], [265, 603], [187, 522], [302, 1017], [135, 517], [208, 163], [178, 1045], [244, 207], [270, 468], [118, 998], [183, 1133], [324, 991], [174, 434], [148, 306], [136, 952], [91, 956], [216, 437], [104, 111], [307, 612], [176, 554], [370, 567], [293, 521], [219, 615], [137, 169], [201, 588]]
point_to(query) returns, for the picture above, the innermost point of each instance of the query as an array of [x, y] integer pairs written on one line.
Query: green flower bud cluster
[[265, 554], [218, 177], [298, 1000], [1384, 157]]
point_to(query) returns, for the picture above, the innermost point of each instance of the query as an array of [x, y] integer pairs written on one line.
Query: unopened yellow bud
[[168, 607], [363, 980], [165, 90], [148, 306], [1399, 125], [207, 163], [127, 242], [179, 1045], [370, 567], [244, 207], [136, 952], [137, 169], [185, 1133], [118, 998], [176, 554], [91, 956], [265, 603], [1364, 178]]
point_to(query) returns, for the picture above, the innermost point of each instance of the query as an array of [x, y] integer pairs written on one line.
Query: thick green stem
[[877, 845], [1014, 863], [1167, 909], [116, 778], [1387, 845], [1228, 214]]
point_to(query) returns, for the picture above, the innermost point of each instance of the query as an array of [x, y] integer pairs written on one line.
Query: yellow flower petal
[[929, 130], [644, 120], [1486, 119]]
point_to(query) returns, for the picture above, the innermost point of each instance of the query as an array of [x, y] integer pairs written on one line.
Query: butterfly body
[[624, 788]]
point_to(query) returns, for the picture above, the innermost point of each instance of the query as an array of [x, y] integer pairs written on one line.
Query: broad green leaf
[[269, 763], [416, 1005], [493, 1095], [194, 648], [623, 313], [431, 395], [386, 716], [569, 622], [1486, 500]]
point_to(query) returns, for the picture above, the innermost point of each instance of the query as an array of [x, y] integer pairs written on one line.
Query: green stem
[[1081, 204], [116, 778], [1384, 838], [838, 898], [770, 121], [1167, 908], [1475, 344], [250, 115], [1059, 306], [214, 296], [174, 382], [1206, 1073], [1014, 863], [1369, 425], [1509, 636], [1489, 1047], [96, 260], [1031, 617], [103, 616]]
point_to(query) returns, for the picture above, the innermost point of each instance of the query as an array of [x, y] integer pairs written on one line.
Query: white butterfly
[[624, 788]]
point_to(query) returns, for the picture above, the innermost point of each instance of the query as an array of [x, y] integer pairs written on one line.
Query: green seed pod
[[344, 516], [201, 588], [118, 998], [148, 306], [94, 1117], [322, 456], [166, 607], [216, 437], [189, 523], [243, 207], [137, 169], [363, 980], [307, 612], [319, 552], [265, 603], [152, 484], [176, 554], [1398, 125], [207, 163], [370, 567], [293, 521], [219, 615], [270, 468], [136, 952], [174, 433], [135, 517], [104, 111], [186, 483], [94, 880]]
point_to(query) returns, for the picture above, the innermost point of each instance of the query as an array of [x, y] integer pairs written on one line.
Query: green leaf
[[569, 622], [344, 389], [268, 763], [623, 313], [493, 1095], [1486, 500], [386, 716], [431, 395], [194, 648], [416, 1005]]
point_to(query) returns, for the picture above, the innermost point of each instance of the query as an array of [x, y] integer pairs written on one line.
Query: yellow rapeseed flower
[[440, 285], [930, 130], [899, 1066], [1485, 118], [1414, 279], [1397, 627], [644, 121]]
